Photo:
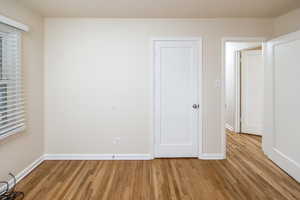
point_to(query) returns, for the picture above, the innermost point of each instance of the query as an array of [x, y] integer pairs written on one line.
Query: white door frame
[[200, 85], [237, 115], [223, 102]]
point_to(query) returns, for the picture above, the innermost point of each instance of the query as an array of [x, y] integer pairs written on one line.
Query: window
[[12, 114]]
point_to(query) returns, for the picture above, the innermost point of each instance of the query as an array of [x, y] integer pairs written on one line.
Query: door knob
[[195, 106]]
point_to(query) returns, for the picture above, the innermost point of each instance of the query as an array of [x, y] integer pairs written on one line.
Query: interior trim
[[23, 173], [13, 23]]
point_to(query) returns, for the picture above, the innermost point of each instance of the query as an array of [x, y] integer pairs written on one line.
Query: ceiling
[[161, 8]]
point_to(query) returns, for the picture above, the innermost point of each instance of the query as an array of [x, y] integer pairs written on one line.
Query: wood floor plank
[[246, 174]]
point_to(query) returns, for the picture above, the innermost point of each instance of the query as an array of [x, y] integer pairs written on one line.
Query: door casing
[[223, 102]]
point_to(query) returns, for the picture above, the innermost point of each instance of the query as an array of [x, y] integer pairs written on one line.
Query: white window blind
[[12, 113]]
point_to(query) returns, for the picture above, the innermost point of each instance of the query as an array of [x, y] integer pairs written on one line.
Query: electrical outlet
[[116, 140]]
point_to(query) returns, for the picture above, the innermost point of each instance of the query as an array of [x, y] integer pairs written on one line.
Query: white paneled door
[[282, 135], [176, 98], [252, 92]]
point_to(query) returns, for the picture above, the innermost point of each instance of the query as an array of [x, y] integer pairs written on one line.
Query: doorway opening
[[243, 103]]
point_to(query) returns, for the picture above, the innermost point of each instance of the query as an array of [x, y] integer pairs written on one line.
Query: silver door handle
[[195, 106]]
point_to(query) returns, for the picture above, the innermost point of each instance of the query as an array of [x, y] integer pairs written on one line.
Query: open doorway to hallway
[[244, 90], [243, 110]]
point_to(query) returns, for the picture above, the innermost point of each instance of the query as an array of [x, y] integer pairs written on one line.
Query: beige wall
[[287, 23], [19, 151], [98, 80]]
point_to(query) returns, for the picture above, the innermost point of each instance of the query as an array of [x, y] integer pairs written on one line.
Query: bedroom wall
[[98, 80], [20, 150]]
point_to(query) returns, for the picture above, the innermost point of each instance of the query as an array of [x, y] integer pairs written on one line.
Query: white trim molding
[[229, 127], [212, 156], [13, 23], [286, 163], [98, 157], [16, 131], [23, 173], [237, 116]]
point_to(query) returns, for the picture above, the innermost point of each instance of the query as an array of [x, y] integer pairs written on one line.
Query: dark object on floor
[[11, 194]]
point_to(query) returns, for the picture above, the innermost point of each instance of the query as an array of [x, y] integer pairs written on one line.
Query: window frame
[[12, 111]]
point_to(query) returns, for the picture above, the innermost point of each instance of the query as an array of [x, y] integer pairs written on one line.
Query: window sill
[[13, 132]]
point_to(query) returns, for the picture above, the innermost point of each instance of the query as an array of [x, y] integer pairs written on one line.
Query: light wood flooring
[[247, 174]]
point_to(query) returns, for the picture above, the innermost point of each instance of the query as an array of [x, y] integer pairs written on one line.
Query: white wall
[[230, 75], [287, 23], [98, 82], [19, 151]]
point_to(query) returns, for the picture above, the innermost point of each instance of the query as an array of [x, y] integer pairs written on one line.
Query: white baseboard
[[23, 173], [212, 156], [229, 127], [98, 157], [286, 163], [253, 131]]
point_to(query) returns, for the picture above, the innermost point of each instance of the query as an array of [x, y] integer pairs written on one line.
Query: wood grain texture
[[247, 174]]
